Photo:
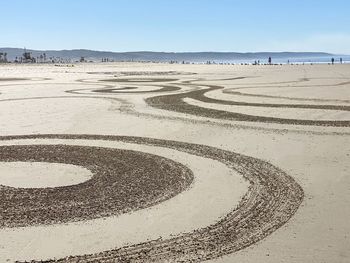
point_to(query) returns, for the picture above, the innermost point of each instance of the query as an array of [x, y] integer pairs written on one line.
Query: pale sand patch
[[257, 98], [285, 113], [41, 175], [52, 113], [318, 92], [215, 192]]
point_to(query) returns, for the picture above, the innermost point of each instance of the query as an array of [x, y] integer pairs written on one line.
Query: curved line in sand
[[214, 184], [125, 90], [227, 91], [273, 197], [271, 112], [122, 181], [174, 102]]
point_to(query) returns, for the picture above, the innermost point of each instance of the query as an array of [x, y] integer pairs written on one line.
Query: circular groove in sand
[[126, 90], [141, 73], [272, 199], [116, 91], [139, 80], [122, 181]]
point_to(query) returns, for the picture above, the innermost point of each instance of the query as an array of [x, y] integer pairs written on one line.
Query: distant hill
[[92, 55]]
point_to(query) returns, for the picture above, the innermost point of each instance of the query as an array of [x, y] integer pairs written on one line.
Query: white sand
[[320, 230], [294, 98], [315, 91], [41, 175]]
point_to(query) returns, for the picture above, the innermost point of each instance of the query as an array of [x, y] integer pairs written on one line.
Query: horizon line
[[153, 51]]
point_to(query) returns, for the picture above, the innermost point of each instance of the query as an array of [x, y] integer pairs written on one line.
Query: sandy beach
[[155, 162]]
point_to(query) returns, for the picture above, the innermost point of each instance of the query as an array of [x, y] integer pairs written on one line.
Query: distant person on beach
[[332, 61], [341, 60], [270, 60]]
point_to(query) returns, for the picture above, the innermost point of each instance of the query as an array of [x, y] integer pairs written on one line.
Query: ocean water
[[295, 60]]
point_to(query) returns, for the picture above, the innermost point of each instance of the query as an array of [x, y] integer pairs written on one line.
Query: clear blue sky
[[177, 25]]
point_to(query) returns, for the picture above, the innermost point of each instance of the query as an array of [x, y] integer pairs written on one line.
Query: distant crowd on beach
[[269, 62]]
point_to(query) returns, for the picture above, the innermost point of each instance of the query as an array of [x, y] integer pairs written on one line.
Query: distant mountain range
[[92, 55]]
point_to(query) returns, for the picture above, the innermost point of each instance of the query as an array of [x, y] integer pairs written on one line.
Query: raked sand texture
[[136, 162]]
